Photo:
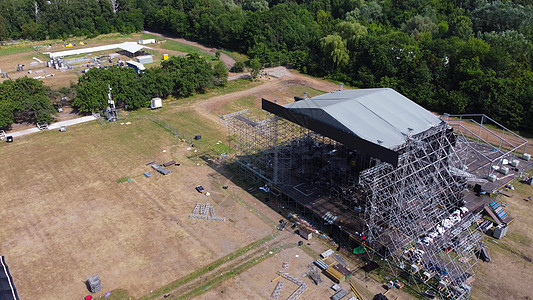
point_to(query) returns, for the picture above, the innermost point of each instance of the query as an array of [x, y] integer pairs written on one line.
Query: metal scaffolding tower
[[416, 218], [413, 214]]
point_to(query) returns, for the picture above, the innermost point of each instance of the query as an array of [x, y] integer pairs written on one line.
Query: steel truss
[[487, 141], [414, 216], [412, 212]]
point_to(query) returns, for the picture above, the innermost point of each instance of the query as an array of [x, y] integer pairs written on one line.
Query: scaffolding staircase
[[495, 211]]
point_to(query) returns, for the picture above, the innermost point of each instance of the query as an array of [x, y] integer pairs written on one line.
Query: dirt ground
[[510, 273], [260, 281], [64, 216]]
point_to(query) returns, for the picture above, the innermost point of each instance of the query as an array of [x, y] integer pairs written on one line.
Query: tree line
[[28, 100], [459, 56], [24, 100], [178, 76]]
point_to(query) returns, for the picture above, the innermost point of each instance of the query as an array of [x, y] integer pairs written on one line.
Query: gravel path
[[53, 126]]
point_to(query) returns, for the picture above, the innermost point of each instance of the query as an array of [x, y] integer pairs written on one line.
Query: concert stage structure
[[375, 169]]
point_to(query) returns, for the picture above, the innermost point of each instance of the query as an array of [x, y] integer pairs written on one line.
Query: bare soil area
[[260, 281], [65, 217]]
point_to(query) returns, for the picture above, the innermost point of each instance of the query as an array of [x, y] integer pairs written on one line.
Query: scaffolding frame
[[406, 210], [486, 140], [401, 206]]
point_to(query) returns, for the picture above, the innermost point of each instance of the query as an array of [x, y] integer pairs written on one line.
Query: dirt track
[[270, 88]]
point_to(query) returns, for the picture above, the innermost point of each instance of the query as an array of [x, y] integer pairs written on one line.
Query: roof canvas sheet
[[131, 47], [382, 116]]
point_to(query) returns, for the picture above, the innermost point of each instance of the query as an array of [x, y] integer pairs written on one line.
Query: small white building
[[156, 103], [145, 59], [148, 41]]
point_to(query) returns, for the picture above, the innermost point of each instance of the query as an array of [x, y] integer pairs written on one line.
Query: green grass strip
[[199, 272], [215, 282], [177, 46], [8, 50]]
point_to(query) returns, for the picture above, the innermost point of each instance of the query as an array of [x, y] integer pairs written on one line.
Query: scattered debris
[[278, 289], [42, 126], [321, 264], [282, 225], [302, 285], [339, 295], [340, 259], [326, 253], [159, 169], [205, 212], [314, 274], [169, 163], [94, 284]]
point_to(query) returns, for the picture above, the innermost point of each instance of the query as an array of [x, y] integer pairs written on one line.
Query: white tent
[[130, 47]]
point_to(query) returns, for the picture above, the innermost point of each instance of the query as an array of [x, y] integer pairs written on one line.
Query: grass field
[[9, 50], [176, 46], [65, 216]]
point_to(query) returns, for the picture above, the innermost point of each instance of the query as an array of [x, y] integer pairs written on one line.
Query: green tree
[[334, 47], [419, 24], [220, 74], [461, 26], [351, 32], [255, 67], [30, 101], [90, 96], [238, 67], [255, 5]]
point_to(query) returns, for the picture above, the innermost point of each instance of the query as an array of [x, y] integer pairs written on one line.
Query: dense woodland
[[455, 56]]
